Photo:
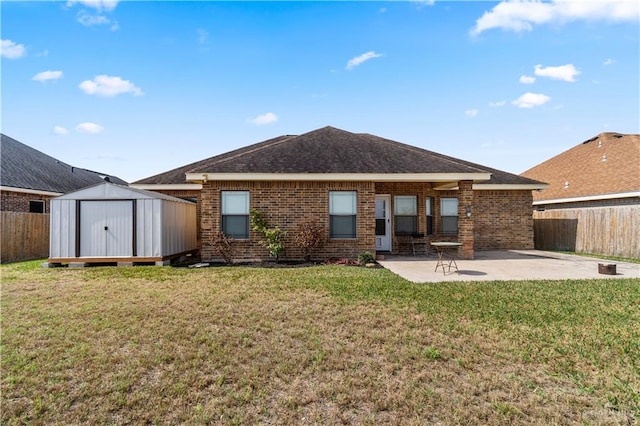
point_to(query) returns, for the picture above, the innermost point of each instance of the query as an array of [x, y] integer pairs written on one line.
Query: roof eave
[[599, 197], [349, 177], [167, 186], [30, 191], [509, 186]]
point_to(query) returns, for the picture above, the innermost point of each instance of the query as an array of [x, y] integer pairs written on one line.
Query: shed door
[[106, 228]]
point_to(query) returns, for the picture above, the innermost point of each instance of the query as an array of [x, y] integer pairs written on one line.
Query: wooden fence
[[23, 236], [611, 231]]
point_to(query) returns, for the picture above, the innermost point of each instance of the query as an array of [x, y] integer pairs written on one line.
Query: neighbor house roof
[[330, 153], [605, 166], [26, 169]]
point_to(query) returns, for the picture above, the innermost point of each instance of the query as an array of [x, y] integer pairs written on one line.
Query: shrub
[[223, 246], [366, 257], [309, 235], [273, 237]]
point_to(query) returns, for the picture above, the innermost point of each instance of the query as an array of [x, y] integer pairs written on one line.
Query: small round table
[[446, 254]]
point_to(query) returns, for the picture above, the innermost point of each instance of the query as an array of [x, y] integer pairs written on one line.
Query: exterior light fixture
[[467, 211]]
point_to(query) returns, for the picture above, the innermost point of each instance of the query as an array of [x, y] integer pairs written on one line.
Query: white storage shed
[[113, 223]]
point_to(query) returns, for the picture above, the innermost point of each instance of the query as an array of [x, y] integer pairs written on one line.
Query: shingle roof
[[606, 164], [24, 167], [331, 150]]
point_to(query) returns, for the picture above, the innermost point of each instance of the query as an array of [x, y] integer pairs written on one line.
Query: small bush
[[273, 237], [366, 257], [309, 235], [223, 246]]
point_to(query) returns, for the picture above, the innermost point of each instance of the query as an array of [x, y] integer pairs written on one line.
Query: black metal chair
[[419, 244]]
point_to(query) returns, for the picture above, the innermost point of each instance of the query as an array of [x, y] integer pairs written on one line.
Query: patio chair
[[419, 244]]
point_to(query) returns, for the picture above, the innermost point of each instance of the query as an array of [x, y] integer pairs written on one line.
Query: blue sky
[[137, 88]]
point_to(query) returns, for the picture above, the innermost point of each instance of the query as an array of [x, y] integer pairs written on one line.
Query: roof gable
[[605, 164], [27, 168]]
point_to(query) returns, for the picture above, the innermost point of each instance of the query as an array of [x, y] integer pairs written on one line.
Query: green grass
[[320, 345], [604, 256]]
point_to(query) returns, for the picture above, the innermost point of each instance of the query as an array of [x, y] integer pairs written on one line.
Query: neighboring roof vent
[[566, 185], [604, 158], [599, 144]]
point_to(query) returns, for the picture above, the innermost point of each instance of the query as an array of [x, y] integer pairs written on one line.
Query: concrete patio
[[507, 265]]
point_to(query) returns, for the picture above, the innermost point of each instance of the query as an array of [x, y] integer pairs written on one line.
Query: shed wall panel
[[62, 239], [148, 228], [179, 227]]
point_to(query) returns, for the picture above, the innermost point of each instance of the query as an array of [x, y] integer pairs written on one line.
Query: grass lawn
[[319, 345]]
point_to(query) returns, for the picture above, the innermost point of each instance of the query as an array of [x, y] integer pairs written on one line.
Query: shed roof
[[24, 167], [605, 165], [111, 191], [333, 151]]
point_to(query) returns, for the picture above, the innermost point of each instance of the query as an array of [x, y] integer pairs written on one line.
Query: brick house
[[30, 178], [369, 194], [592, 203]]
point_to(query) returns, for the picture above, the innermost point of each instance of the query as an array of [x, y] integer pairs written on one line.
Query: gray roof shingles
[[331, 150], [27, 168]]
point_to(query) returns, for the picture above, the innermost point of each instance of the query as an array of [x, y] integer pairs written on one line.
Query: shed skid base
[[81, 262]]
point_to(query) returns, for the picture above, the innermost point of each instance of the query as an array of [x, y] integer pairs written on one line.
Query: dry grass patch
[[321, 345]]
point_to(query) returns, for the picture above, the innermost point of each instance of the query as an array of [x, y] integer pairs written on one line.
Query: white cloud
[[99, 5], [361, 59], [530, 100], [525, 79], [609, 62], [11, 50], [59, 130], [89, 128], [47, 75], [89, 20], [108, 86], [263, 119], [522, 15], [203, 36], [420, 3], [471, 113], [563, 72], [497, 104]]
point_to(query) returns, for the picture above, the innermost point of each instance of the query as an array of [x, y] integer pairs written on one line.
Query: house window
[[449, 213], [36, 206], [429, 210], [342, 214], [406, 214], [235, 214]]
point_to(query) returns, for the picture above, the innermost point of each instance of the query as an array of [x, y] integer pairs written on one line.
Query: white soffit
[[168, 186], [29, 191], [349, 177], [589, 198]]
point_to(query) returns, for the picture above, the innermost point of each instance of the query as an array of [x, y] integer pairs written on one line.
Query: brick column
[[465, 224], [208, 202]]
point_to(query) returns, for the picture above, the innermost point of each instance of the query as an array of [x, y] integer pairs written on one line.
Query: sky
[[133, 89]]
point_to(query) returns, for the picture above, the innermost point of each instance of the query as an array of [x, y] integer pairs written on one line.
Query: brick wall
[[284, 204], [499, 220], [503, 220], [19, 201]]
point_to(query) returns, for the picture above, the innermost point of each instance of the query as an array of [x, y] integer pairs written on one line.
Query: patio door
[[383, 222]]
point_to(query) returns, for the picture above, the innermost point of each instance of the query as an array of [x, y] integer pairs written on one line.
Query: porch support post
[[466, 218]]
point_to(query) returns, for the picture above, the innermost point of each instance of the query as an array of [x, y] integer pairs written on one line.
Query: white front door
[[383, 223]]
